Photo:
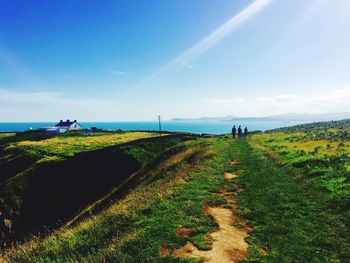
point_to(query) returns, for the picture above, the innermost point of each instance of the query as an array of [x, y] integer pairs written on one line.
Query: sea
[[210, 127]]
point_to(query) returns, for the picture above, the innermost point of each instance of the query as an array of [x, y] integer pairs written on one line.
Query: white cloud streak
[[187, 65], [334, 101], [51, 106], [210, 40], [120, 73]]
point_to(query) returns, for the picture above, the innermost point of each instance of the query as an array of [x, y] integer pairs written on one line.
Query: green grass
[[133, 229], [294, 218], [70, 144], [327, 161], [24, 191], [330, 130], [6, 134]]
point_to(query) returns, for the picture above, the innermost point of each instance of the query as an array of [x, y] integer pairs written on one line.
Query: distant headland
[[307, 117]]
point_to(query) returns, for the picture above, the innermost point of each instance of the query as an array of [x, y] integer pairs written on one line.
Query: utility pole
[[160, 125]]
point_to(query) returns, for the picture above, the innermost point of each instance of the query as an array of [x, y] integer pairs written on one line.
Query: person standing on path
[[239, 131], [234, 130], [245, 131]]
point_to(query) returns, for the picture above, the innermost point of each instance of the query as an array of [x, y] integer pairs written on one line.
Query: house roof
[[66, 123]]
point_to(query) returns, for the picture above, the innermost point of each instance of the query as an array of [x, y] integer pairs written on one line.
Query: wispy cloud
[[50, 106], [210, 40], [120, 73], [186, 64], [330, 101]]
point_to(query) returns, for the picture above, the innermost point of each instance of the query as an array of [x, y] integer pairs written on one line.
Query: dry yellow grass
[[288, 142], [70, 145], [140, 197], [7, 134]]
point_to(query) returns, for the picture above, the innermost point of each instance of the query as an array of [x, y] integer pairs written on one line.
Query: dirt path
[[228, 241]]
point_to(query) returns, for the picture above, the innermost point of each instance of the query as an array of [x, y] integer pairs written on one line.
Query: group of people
[[239, 131]]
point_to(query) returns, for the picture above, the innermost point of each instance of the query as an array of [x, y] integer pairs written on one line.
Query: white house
[[68, 125], [62, 127]]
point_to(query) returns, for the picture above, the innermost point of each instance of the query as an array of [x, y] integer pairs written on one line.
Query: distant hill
[[305, 117], [341, 126]]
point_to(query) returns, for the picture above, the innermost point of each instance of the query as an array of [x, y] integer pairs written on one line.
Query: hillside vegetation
[[286, 192], [6, 134], [318, 156], [45, 181], [133, 223], [330, 130], [70, 144], [320, 150]]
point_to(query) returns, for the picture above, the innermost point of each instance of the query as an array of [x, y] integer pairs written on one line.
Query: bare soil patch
[[164, 250], [184, 232], [232, 162], [230, 176], [189, 250], [228, 241]]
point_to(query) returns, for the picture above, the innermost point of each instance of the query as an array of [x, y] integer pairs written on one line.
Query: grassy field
[[325, 161], [294, 218], [132, 229], [4, 135], [68, 145], [293, 193], [62, 167], [330, 130]]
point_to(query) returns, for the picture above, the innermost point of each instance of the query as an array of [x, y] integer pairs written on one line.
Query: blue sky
[[117, 60]]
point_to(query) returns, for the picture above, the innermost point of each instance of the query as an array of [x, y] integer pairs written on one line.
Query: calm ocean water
[[185, 126]]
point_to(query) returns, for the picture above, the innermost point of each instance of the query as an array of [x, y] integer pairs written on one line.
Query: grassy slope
[[294, 218], [326, 161], [20, 152], [5, 134], [133, 228], [318, 153], [58, 178], [70, 144]]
